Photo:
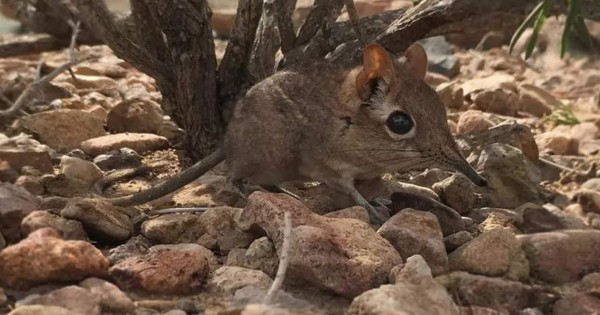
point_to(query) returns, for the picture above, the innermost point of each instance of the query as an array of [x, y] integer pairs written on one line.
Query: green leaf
[[528, 22], [572, 12], [539, 22], [582, 31]]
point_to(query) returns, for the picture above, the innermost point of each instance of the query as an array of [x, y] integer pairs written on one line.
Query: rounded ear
[[377, 64], [416, 60]]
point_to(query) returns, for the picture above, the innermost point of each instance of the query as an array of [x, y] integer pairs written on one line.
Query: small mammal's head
[[401, 117]]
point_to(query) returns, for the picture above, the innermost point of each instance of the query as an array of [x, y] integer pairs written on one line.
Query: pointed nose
[[458, 162]]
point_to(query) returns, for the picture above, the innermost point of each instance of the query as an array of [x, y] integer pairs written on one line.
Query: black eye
[[399, 122]]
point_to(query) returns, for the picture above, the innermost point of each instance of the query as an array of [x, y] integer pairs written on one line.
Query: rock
[[63, 186], [496, 293], [121, 158], [495, 81], [450, 95], [137, 115], [139, 142], [228, 279], [493, 253], [512, 179], [135, 246], [473, 121], [112, 299], [499, 219], [555, 142], [32, 184], [101, 220], [536, 100], [589, 147], [454, 241], [221, 230], [7, 174], [356, 212], [342, 255], [458, 192], [450, 220], [440, 56], [213, 263], [237, 257], [15, 204], [79, 169], [72, 298], [165, 272], [415, 292], [42, 310], [582, 133], [414, 232], [64, 129], [261, 255], [173, 228], [562, 256], [500, 101], [22, 150], [69, 229], [588, 199], [43, 258], [538, 219], [581, 304]]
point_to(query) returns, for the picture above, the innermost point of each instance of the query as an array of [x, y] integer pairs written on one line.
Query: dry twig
[[284, 259], [40, 82]]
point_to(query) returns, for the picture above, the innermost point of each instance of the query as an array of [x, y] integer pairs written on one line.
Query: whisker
[[377, 149]]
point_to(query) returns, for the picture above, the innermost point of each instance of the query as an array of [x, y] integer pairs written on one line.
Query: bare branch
[[39, 83], [95, 15], [233, 70], [33, 46], [266, 44], [285, 10], [324, 13], [284, 259]]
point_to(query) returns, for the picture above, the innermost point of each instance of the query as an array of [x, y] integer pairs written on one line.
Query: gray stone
[[121, 158], [229, 279], [69, 229], [101, 220]]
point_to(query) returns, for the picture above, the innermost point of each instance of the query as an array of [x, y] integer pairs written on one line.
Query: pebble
[[69, 229], [414, 292], [73, 298], [458, 192], [222, 231], [413, 232], [536, 100], [138, 115], [562, 256], [121, 158], [580, 304], [229, 279], [472, 121], [344, 256], [139, 142], [493, 253], [166, 272], [101, 220], [261, 255], [78, 169], [43, 257], [64, 129], [173, 228], [112, 299], [15, 204], [454, 241]]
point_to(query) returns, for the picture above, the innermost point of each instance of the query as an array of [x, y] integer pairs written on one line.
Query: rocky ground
[[527, 244]]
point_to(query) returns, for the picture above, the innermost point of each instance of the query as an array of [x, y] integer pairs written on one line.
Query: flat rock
[[356, 212], [78, 169], [15, 204], [342, 255], [22, 150], [229, 279], [166, 272], [173, 228], [101, 220], [562, 256], [73, 298], [415, 292], [139, 142], [43, 257], [495, 293], [493, 253], [112, 299], [42, 310], [69, 229], [414, 232], [213, 263], [137, 115], [64, 129], [580, 304]]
